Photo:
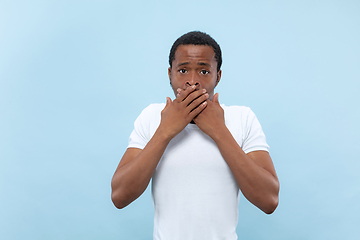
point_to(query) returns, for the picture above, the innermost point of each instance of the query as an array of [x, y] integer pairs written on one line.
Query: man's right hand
[[179, 113]]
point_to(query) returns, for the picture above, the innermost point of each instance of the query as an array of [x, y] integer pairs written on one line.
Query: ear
[[169, 73], [218, 77]]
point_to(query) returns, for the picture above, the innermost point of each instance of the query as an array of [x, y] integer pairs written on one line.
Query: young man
[[197, 152]]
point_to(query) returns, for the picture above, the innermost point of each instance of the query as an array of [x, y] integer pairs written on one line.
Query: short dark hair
[[196, 38]]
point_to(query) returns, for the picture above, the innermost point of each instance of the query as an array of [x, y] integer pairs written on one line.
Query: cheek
[[174, 85], [175, 81]]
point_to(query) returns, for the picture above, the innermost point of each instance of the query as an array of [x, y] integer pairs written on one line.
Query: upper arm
[[263, 159]]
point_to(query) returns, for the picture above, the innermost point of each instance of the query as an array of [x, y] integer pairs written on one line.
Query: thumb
[[216, 98], [168, 101]]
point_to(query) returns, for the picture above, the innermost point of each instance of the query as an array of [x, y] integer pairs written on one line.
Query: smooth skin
[[193, 77]]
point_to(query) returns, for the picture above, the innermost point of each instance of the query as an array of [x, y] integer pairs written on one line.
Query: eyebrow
[[184, 63], [204, 64], [199, 63]]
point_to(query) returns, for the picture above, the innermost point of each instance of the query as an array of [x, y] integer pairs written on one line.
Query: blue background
[[74, 75]]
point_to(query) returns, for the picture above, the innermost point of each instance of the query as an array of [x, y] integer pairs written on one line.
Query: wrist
[[164, 135], [220, 133]]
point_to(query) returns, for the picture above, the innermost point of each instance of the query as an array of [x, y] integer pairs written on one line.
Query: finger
[[168, 101], [193, 96], [195, 103], [216, 98], [182, 94], [179, 90], [198, 110]]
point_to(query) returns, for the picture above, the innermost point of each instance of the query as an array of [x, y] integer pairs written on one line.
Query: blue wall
[[74, 75]]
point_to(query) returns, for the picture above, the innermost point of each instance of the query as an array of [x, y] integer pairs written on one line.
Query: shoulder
[[151, 115], [235, 108], [239, 118], [146, 123], [245, 128], [153, 108], [237, 112]]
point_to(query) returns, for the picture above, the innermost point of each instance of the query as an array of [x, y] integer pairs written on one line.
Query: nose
[[193, 80]]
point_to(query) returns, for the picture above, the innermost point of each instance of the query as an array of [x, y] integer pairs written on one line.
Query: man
[[197, 152]]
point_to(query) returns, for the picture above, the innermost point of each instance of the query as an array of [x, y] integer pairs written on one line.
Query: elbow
[[121, 196], [118, 203], [117, 199], [117, 196], [273, 201], [271, 206]]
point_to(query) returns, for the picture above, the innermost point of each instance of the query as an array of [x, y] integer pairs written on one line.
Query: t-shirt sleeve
[[254, 137], [145, 126], [138, 137]]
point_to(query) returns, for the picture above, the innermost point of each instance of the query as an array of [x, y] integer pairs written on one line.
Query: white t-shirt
[[195, 195]]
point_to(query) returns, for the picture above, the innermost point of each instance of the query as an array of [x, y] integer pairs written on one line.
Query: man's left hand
[[211, 120]]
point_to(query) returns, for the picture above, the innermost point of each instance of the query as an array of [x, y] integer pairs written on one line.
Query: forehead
[[202, 53]]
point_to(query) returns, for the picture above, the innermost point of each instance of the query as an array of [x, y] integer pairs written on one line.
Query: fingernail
[[178, 90]]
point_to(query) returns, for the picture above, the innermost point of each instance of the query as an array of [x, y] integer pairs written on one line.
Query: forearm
[[131, 179], [257, 184]]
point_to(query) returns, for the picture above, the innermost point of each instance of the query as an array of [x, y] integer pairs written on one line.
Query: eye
[[182, 70], [204, 72]]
